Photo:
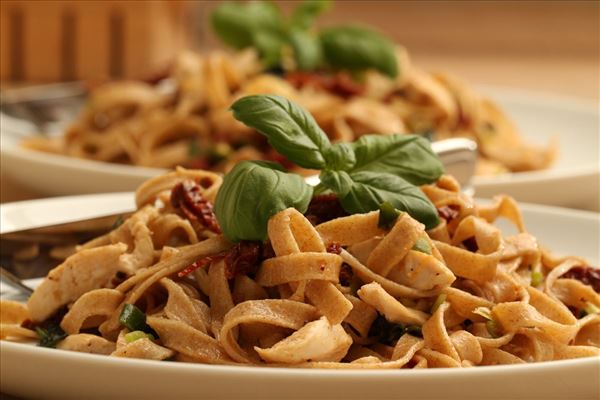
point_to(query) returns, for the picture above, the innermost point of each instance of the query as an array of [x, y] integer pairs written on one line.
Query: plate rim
[[269, 371]]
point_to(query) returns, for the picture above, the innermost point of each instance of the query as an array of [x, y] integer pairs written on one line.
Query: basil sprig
[[358, 48], [373, 170], [262, 25], [254, 191]]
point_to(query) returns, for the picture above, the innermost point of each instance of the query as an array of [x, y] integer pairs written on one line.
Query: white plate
[[573, 181], [35, 372]]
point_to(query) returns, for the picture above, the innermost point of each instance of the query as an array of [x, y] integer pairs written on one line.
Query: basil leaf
[[340, 156], [236, 23], [371, 188], [254, 191], [357, 48], [409, 156], [307, 12], [269, 46], [291, 130], [338, 181], [307, 49]]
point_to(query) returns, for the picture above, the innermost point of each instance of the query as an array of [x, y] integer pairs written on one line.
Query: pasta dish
[[258, 268], [184, 120]]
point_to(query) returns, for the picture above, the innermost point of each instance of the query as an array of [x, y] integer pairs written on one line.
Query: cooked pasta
[[187, 122], [341, 293]]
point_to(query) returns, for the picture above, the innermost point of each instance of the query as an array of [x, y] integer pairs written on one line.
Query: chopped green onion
[[118, 222], [537, 277], [414, 330], [219, 152], [50, 335], [136, 335], [422, 245], [193, 149], [133, 318], [493, 328], [588, 309], [387, 215], [483, 312], [438, 302], [386, 332]]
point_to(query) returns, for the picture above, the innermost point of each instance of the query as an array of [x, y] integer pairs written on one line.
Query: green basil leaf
[[338, 181], [307, 12], [358, 48], [254, 191], [269, 45], [409, 156], [291, 130], [307, 49], [236, 23], [340, 156], [371, 188]]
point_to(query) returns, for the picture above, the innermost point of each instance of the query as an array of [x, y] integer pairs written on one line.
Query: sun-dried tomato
[[272, 155], [201, 263], [448, 212], [334, 248], [340, 83], [586, 275], [346, 275], [243, 259], [187, 198], [324, 208]]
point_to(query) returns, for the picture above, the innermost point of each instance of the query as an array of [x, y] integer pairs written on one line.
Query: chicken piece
[[315, 341], [84, 271]]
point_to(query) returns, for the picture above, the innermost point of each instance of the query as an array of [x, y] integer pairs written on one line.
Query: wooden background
[[548, 46]]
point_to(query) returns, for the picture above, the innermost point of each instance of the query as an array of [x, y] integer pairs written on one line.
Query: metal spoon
[[14, 282]]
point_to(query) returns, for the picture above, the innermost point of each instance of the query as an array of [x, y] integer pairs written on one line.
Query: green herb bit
[[220, 152], [133, 318], [422, 245], [537, 277], [193, 149], [493, 328], [438, 302], [483, 312], [118, 222], [588, 309], [386, 332], [50, 335], [136, 335], [387, 215], [414, 330]]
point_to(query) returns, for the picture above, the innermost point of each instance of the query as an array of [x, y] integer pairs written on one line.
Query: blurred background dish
[[576, 171]]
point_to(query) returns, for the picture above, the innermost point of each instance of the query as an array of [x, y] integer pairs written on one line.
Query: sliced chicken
[[82, 272]]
